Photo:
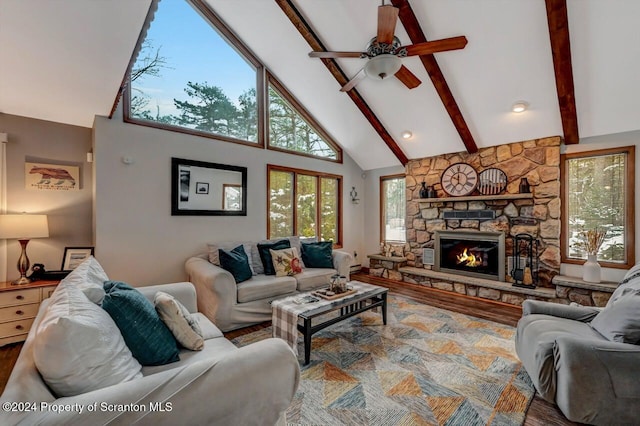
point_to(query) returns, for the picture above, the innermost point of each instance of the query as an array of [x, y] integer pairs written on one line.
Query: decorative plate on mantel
[[492, 181]]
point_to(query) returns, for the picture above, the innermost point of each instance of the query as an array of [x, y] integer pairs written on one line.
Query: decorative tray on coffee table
[[329, 295]]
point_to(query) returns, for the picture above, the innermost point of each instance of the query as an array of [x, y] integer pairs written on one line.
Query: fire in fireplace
[[471, 253], [469, 259]]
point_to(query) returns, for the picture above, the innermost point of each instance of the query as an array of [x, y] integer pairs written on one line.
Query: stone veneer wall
[[538, 160]]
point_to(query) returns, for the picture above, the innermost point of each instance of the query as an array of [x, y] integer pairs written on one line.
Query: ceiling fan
[[384, 52]]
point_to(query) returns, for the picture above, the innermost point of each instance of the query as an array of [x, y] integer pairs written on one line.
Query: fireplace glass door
[[476, 254]]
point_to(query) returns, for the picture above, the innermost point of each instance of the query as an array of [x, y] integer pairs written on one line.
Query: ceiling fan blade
[[335, 54], [387, 18], [355, 80], [429, 47], [408, 78]]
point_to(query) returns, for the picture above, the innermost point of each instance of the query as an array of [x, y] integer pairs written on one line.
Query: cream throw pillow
[[78, 348], [183, 325], [88, 277], [286, 262]]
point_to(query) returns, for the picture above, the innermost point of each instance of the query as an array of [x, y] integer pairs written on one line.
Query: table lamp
[[23, 227]]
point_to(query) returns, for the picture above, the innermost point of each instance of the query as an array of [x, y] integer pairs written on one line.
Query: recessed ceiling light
[[520, 106], [406, 134]]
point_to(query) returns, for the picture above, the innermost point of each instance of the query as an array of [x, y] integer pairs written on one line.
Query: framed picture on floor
[[74, 256]]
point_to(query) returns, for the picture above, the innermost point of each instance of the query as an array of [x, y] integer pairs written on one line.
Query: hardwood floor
[[540, 413], [8, 356]]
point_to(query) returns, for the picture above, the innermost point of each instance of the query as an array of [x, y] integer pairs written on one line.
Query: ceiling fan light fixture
[[382, 66], [519, 106]]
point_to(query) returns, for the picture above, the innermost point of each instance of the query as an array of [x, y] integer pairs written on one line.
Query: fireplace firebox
[[472, 253]]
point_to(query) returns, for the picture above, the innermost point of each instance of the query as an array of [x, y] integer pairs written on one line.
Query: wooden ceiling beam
[[309, 35], [561, 52], [412, 26]]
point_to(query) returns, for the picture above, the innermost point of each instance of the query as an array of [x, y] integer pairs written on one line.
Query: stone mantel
[[476, 198]]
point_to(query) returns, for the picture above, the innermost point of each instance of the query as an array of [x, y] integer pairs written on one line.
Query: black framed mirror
[[199, 188]]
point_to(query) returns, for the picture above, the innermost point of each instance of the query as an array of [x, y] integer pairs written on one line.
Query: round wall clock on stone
[[459, 179]]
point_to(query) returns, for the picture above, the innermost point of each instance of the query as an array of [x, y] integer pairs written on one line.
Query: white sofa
[[220, 385], [231, 306]]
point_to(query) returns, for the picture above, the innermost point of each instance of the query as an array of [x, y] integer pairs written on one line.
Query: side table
[[18, 307]]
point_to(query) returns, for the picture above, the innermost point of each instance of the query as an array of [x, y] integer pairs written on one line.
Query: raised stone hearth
[[567, 289], [386, 266]]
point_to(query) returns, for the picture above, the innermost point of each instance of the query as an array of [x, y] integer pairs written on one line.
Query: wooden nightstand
[[18, 307]]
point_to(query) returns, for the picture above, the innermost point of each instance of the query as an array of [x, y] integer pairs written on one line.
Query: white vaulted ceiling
[[64, 61]]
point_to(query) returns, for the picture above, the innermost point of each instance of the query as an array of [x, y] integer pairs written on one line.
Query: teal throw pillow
[[265, 254], [236, 261], [318, 255], [146, 336]]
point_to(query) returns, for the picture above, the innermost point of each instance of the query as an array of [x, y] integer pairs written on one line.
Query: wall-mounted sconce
[[354, 195]]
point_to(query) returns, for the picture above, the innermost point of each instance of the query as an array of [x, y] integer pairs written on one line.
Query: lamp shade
[[382, 66], [24, 226]]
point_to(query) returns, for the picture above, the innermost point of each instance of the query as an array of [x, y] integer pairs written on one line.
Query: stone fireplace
[[508, 213], [471, 253]]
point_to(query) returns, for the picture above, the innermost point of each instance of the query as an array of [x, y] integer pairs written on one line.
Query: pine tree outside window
[[293, 129], [304, 203], [392, 209], [598, 193], [192, 75]]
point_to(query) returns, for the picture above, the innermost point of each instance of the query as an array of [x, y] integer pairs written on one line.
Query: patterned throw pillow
[[176, 317], [265, 254], [392, 250], [397, 250], [286, 262]]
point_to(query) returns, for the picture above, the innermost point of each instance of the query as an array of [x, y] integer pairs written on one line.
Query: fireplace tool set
[[525, 261]]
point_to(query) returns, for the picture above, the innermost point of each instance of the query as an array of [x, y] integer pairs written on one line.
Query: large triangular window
[[193, 75], [293, 129]]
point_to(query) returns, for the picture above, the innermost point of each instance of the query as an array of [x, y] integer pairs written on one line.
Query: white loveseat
[[220, 385], [231, 306]]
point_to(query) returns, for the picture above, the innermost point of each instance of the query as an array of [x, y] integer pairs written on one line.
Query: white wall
[[137, 239], [371, 242], [69, 212], [604, 142]]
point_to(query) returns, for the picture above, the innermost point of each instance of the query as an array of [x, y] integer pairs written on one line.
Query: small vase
[[524, 186], [591, 269], [423, 191], [431, 193]]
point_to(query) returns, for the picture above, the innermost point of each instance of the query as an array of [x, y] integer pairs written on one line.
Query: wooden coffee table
[[308, 322]]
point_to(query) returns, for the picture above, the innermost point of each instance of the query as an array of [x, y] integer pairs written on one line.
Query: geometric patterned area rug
[[427, 366]]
